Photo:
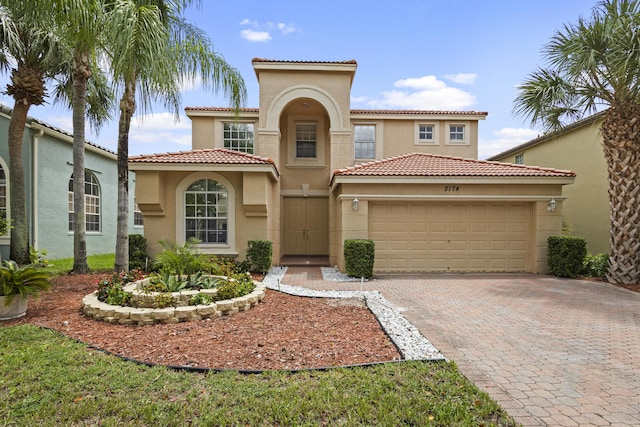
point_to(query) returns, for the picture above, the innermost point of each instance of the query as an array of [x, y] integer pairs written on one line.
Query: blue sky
[[411, 54]]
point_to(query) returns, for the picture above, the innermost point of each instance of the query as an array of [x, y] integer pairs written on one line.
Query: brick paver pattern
[[550, 351]]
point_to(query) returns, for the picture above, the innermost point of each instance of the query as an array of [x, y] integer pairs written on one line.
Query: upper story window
[[520, 159], [206, 211], [427, 133], [238, 137], [365, 141], [457, 133], [306, 140], [138, 219], [91, 202]]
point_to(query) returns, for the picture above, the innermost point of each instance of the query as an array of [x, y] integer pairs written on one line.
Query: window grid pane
[[238, 137], [456, 133], [365, 141], [306, 140], [425, 133], [206, 211], [91, 203]]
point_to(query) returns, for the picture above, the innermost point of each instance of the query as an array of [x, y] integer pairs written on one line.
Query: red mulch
[[281, 332]]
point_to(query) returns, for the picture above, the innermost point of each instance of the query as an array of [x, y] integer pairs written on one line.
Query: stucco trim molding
[[436, 197], [222, 249], [280, 101]]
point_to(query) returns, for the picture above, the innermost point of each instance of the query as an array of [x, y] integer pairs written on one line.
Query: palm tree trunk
[[81, 74], [621, 139], [127, 108], [19, 245]]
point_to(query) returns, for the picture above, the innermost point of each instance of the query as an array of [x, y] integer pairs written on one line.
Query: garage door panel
[[441, 237]]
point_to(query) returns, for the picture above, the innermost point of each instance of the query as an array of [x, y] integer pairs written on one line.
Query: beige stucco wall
[[253, 203], [544, 223], [587, 206]]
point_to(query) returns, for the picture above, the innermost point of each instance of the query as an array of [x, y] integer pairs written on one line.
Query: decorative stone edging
[[99, 310]]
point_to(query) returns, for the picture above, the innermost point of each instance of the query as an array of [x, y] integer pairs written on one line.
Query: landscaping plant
[[24, 281]]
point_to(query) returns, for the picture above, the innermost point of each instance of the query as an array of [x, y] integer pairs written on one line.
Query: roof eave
[[205, 167], [449, 180]]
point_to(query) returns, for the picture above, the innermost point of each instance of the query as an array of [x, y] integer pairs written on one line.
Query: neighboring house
[[48, 168], [577, 147], [306, 172]]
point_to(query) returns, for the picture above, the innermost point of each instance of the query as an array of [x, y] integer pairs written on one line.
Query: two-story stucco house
[[48, 168], [307, 172], [577, 147]]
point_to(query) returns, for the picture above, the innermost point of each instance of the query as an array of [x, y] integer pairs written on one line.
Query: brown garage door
[[451, 237]]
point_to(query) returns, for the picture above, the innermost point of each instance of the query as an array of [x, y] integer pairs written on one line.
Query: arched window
[[91, 202], [206, 212]]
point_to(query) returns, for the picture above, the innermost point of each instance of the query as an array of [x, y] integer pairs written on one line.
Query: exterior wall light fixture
[[552, 205], [355, 203]]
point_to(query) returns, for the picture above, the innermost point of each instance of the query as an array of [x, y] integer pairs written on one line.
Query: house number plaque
[[451, 188]]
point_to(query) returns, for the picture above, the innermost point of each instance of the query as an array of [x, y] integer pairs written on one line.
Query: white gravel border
[[407, 338]]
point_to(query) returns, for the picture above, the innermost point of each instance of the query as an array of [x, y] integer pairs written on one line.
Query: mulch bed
[[281, 332]]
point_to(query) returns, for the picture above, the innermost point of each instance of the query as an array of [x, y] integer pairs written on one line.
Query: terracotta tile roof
[[350, 61], [419, 164], [223, 109], [359, 111], [420, 112], [217, 156]]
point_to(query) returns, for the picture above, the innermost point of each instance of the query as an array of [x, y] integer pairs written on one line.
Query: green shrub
[[181, 259], [201, 299], [138, 252], [259, 255], [238, 285], [596, 265], [164, 300], [566, 255], [359, 256], [110, 289]]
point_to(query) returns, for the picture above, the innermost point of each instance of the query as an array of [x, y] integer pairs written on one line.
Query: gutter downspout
[[35, 186]]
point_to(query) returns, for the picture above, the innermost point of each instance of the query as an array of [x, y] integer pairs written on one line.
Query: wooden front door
[[306, 226]]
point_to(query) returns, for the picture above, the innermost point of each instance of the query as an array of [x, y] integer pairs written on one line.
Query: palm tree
[[81, 23], [153, 51], [32, 52], [595, 64]]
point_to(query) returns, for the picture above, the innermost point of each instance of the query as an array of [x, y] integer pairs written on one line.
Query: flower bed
[[181, 312], [130, 298]]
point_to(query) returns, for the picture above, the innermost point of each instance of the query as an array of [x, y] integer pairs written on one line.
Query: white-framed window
[[206, 212], [457, 133], [91, 203], [427, 133], [3, 194], [238, 137], [138, 218], [364, 137], [306, 140], [520, 159]]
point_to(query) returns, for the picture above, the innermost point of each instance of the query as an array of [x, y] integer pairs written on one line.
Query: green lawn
[[50, 380], [97, 263]]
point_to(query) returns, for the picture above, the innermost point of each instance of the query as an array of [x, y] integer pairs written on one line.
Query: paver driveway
[[551, 351]]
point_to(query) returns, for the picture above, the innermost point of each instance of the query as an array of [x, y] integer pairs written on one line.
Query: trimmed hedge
[[359, 256], [259, 255], [596, 265], [566, 255], [137, 252]]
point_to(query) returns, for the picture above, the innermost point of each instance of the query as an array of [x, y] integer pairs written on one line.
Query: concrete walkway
[[550, 351]]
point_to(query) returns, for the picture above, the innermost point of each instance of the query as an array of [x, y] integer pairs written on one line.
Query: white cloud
[[160, 121], [261, 32], [462, 78], [504, 139], [255, 36], [424, 93], [286, 29]]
